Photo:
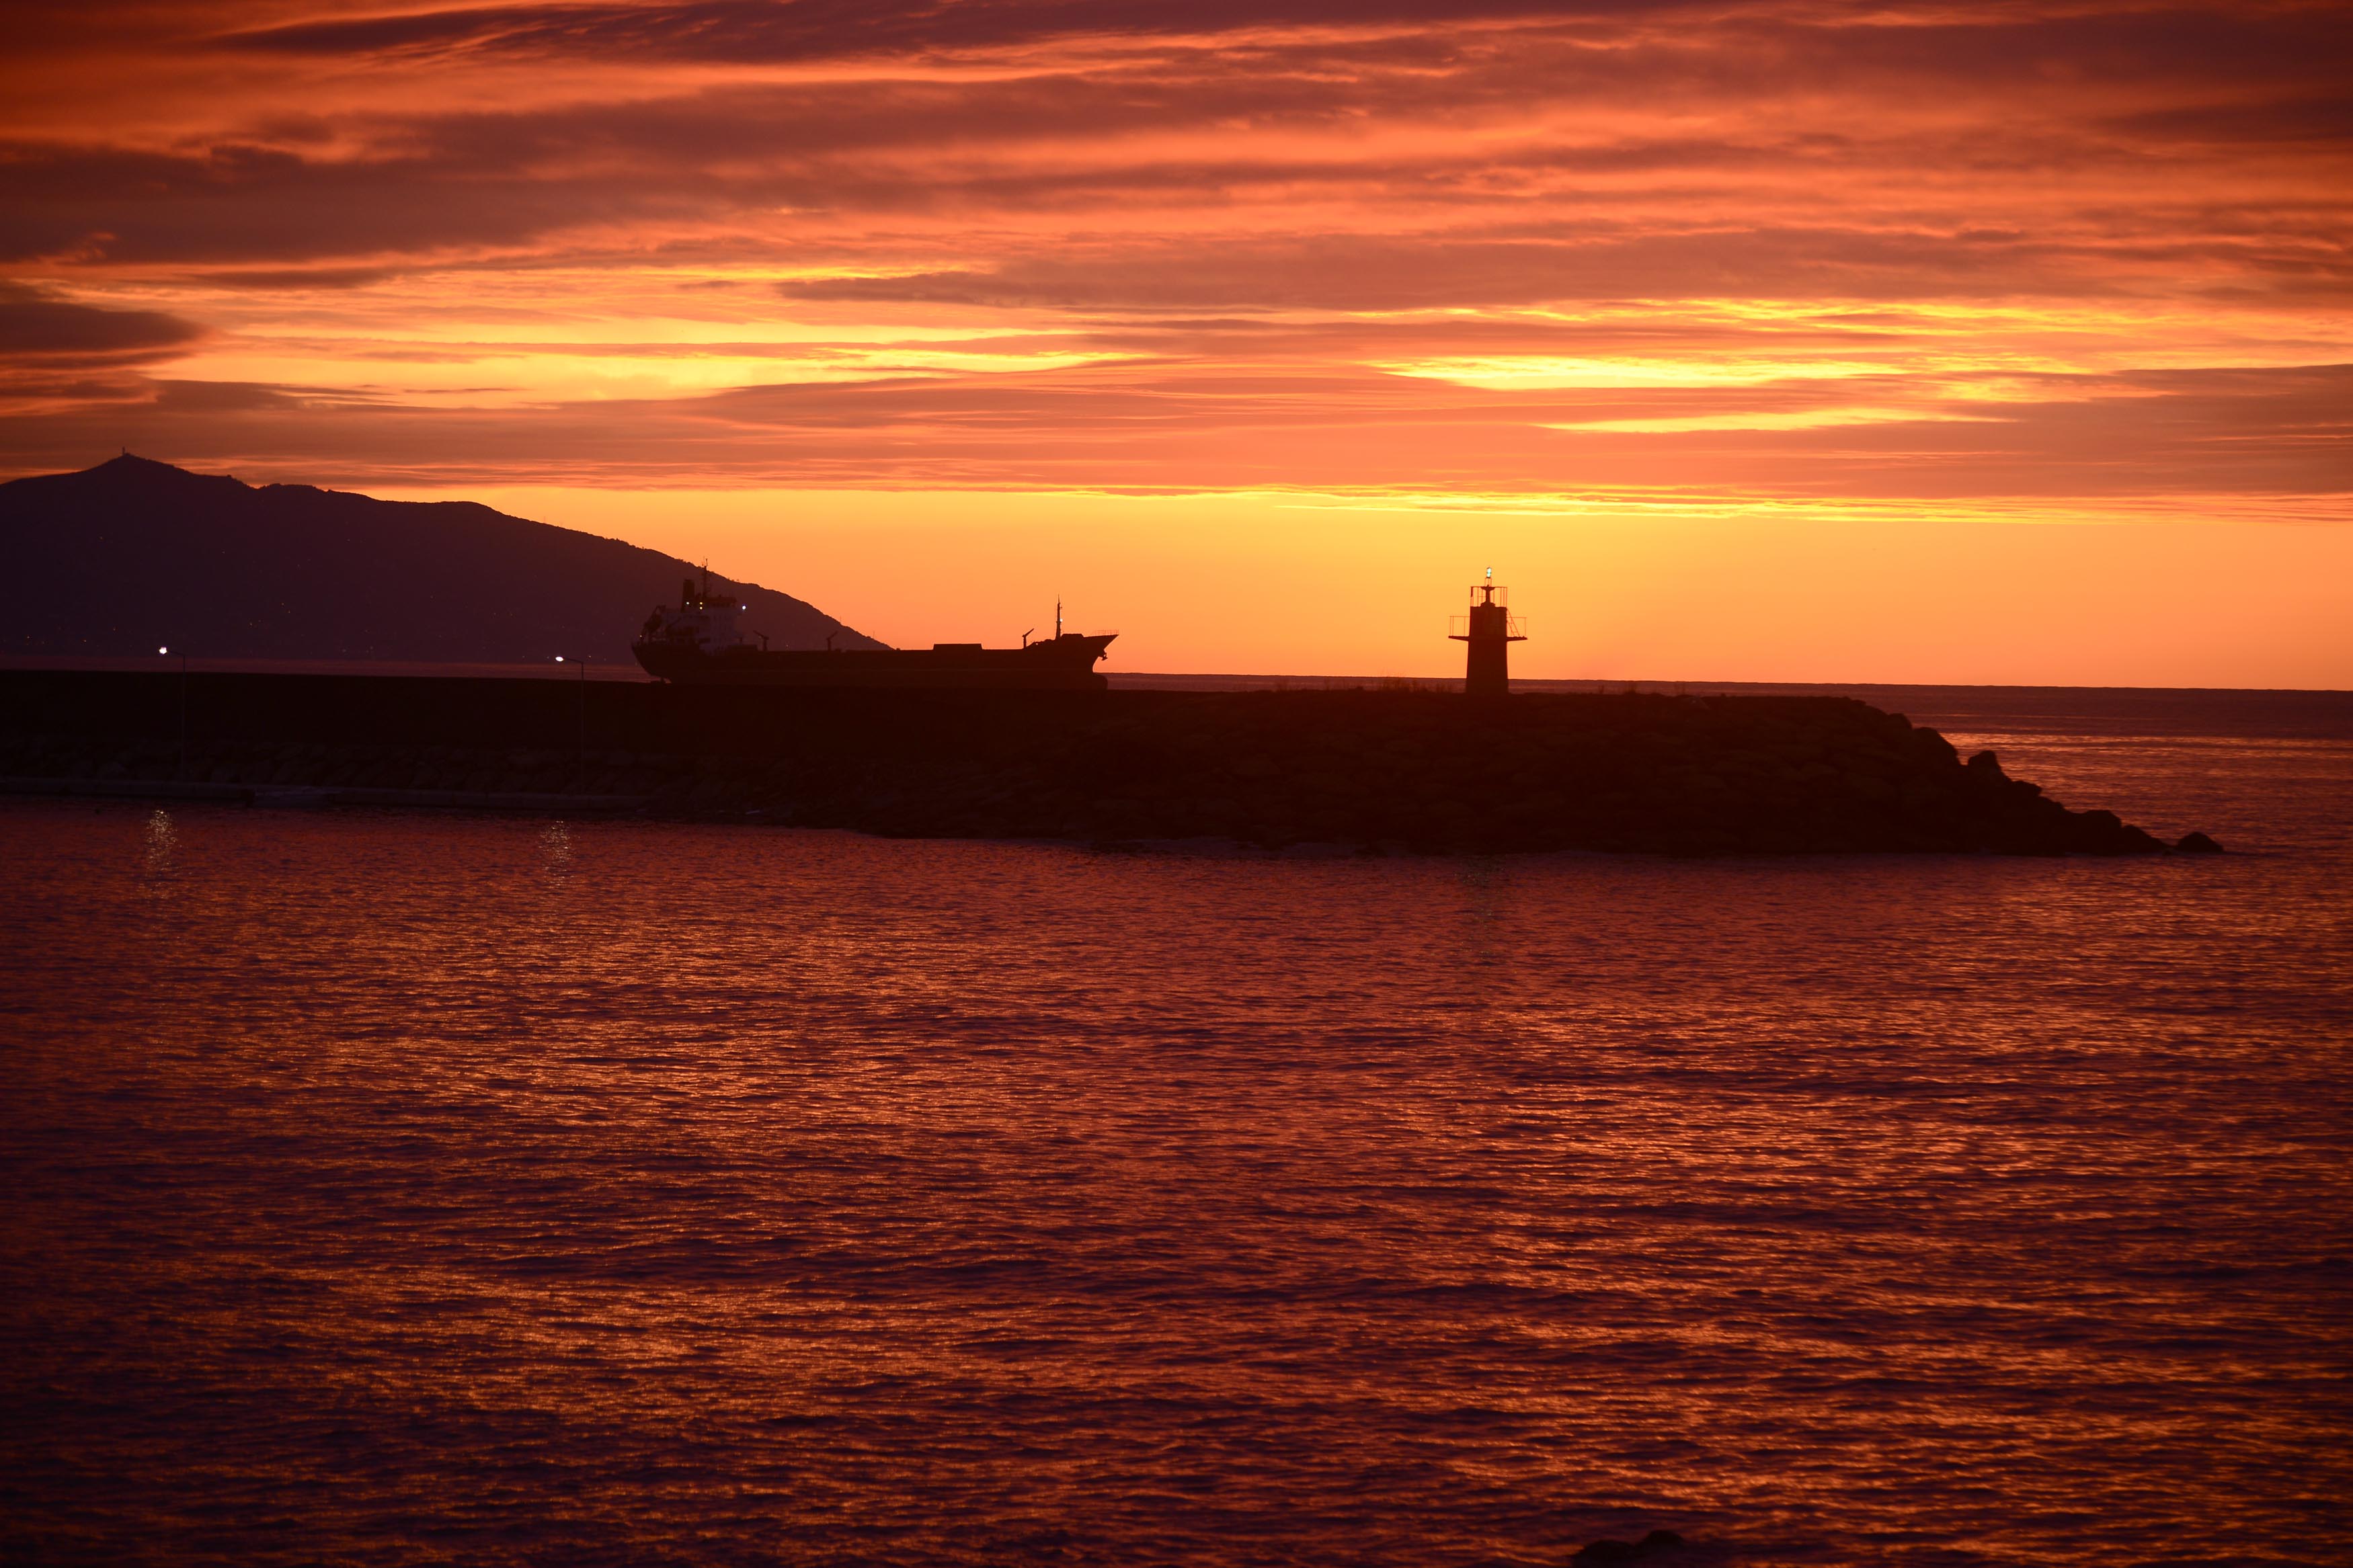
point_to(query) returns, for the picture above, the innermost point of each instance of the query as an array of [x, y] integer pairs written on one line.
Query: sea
[[404, 1188]]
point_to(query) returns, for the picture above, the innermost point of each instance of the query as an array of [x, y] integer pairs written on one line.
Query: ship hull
[[1066, 664]]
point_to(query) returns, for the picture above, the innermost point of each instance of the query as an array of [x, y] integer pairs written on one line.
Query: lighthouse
[[1490, 630]]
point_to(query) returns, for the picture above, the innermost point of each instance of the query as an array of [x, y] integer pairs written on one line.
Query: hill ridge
[[134, 553]]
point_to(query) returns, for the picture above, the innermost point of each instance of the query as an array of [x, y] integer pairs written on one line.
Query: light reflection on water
[[406, 1188], [162, 837]]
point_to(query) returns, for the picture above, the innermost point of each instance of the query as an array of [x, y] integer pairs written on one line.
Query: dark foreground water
[[395, 1189]]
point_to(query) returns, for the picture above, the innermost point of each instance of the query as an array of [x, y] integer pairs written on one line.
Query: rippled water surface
[[415, 1189]]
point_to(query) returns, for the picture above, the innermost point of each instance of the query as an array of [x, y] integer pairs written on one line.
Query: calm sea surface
[[401, 1188]]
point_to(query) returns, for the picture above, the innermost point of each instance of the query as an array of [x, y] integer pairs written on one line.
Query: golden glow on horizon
[[1266, 583]]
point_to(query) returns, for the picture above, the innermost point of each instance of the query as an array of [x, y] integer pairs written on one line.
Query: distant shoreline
[[1161, 680]]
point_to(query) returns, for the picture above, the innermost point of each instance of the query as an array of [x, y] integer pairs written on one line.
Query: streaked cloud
[[1724, 251]]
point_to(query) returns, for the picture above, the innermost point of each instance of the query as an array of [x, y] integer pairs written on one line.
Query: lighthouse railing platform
[[1514, 626]]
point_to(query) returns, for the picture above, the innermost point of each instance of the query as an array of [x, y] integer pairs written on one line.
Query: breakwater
[[1402, 771]]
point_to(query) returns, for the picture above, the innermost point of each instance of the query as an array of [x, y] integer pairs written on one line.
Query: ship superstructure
[[699, 642]]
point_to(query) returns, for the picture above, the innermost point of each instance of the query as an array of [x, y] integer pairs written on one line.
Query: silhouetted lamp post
[[181, 773], [580, 762]]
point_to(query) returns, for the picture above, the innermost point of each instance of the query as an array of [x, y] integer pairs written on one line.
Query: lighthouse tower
[[1491, 629]]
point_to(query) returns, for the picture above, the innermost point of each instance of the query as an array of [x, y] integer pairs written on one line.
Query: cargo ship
[[698, 644]]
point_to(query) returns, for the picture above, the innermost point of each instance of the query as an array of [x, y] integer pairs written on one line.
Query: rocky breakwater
[[1433, 772], [1355, 770]]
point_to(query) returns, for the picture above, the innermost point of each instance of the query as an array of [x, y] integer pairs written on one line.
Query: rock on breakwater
[[1374, 770]]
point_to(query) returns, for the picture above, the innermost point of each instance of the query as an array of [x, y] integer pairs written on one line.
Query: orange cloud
[[1711, 256]]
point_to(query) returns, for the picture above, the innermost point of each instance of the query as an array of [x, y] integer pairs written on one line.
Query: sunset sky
[[1797, 340]]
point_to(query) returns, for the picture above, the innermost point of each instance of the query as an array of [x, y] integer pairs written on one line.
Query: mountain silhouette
[[134, 554]]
